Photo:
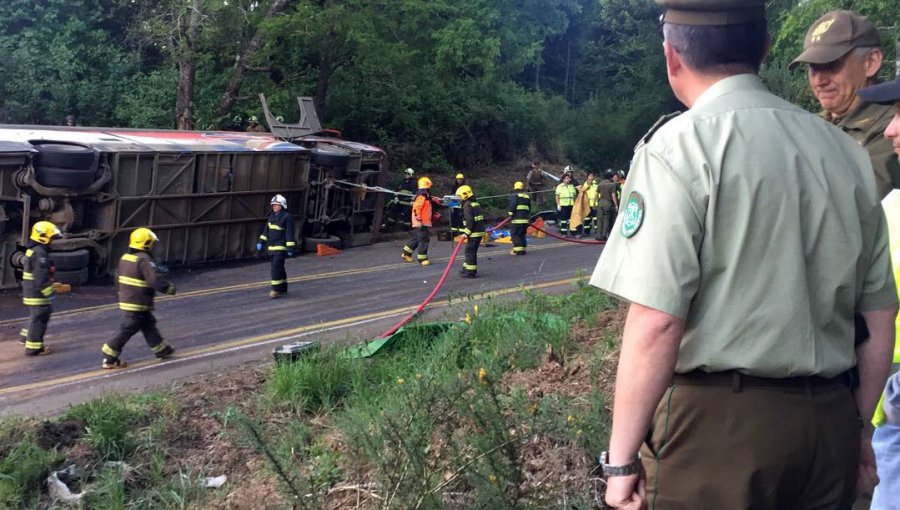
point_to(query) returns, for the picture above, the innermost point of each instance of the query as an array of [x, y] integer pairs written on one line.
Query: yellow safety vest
[[891, 205], [566, 194], [592, 194]]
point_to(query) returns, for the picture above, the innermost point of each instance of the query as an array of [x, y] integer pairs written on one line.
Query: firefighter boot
[[406, 258], [110, 364], [274, 294], [165, 352]]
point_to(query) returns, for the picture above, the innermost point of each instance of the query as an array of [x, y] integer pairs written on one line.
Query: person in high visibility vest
[[37, 286], [520, 212], [472, 228], [886, 437], [565, 199], [421, 217], [278, 237], [456, 216], [138, 283], [592, 191]]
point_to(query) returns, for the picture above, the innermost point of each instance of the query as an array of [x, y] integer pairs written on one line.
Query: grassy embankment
[[504, 410]]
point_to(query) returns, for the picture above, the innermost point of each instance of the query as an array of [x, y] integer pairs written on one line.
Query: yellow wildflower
[[492, 479], [400, 380], [482, 375]]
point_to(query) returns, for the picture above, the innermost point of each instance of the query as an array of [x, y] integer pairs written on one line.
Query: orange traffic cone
[[323, 250]]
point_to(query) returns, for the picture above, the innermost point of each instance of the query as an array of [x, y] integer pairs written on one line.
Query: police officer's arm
[[657, 269]]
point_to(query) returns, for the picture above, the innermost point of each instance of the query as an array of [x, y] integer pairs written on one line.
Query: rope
[[380, 189]]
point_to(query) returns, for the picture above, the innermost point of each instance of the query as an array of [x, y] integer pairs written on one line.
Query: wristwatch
[[628, 469]]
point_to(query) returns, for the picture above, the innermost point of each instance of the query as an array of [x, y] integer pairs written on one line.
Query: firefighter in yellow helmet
[[456, 218], [520, 212], [37, 286], [472, 228], [422, 217], [137, 284]]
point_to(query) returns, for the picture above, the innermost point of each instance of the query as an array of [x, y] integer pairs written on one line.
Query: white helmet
[[280, 200], [410, 171], [567, 169]]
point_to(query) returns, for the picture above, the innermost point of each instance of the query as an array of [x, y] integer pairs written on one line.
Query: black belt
[[737, 380]]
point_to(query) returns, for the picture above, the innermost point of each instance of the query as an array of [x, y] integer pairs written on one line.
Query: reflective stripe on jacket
[[566, 194], [473, 219], [36, 284], [520, 209], [279, 231], [138, 282], [422, 210]]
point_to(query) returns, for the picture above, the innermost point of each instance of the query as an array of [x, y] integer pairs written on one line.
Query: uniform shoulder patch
[[633, 214], [654, 128]]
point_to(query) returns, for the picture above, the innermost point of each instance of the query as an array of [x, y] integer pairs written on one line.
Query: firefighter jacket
[[279, 232], [520, 209], [566, 194], [473, 219], [422, 210], [138, 282], [407, 190], [37, 284]]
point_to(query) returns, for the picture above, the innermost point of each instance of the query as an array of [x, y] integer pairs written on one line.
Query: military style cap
[[712, 12], [882, 93], [833, 35]]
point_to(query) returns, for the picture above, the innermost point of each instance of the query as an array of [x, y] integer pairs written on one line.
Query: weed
[[22, 471], [109, 423], [320, 380], [107, 492]]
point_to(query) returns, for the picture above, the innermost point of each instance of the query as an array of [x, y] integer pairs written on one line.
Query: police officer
[[279, 236], [472, 228], [37, 286], [843, 53], [520, 211], [607, 204], [565, 199], [421, 217], [735, 388], [138, 284], [456, 218]]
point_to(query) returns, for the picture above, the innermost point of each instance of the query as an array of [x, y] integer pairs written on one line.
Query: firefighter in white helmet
[[37, 286], [279, 236], [137, 284]]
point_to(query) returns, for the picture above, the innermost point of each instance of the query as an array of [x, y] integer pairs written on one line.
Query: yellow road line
[[186, 354], [254, 285]]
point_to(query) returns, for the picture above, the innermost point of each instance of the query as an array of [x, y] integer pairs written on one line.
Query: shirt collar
[[729, 85]]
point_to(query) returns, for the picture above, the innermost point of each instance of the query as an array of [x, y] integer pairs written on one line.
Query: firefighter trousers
[[278, 273], [518, 234], [144, 322], [470, 266], [562, 219], [38, 317], [419, 238]]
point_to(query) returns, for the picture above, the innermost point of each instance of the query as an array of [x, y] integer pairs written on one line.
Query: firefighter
[[137, 284], [37, 286], [520, 212], [421, 218], [254, 126], [456, 209], [401, 206], [472, 228], [565, 199], [279, 236]]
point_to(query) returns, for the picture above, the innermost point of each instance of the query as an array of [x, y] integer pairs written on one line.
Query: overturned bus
[[206, 194]]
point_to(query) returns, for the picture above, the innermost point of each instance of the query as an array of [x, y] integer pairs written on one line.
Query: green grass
[[110, 424]]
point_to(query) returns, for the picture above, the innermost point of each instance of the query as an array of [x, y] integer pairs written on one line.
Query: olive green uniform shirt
[[866, 124], [606, 191], [760, 228]]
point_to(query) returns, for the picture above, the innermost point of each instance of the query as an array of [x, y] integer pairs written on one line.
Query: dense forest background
[[437, 83]]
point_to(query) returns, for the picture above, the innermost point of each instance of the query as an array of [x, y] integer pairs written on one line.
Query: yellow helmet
[[424, 182], [518, 185], [464, 192], [44, 231], [142, 239], [460, 176]]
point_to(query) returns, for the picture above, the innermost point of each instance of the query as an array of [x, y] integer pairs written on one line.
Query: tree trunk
[[242, 62], [184, 97], [326, 68]]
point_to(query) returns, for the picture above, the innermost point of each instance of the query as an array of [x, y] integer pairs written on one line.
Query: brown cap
[[712, 12], [833, 35]]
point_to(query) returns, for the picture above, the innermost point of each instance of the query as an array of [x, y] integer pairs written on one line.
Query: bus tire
[[65, 155], [70, 260], [74, 278], [57, 177]]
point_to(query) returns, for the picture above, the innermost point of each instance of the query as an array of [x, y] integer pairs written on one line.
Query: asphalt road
[[223, 316]]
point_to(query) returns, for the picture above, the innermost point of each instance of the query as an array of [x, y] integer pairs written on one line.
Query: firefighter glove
[[290, 253], [52, 297], [259, 246]]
